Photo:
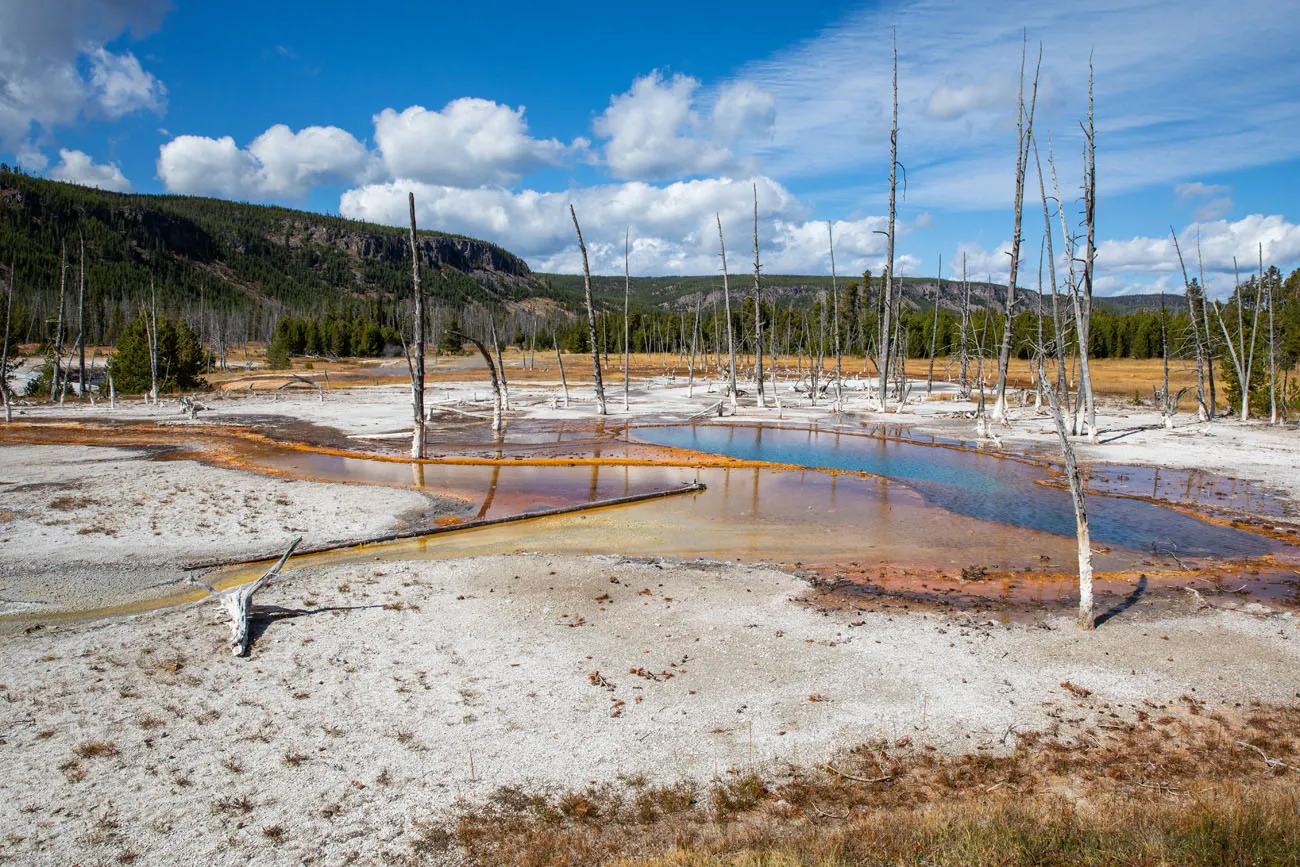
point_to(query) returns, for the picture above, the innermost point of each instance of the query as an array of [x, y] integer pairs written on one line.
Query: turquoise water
[[973, 484]]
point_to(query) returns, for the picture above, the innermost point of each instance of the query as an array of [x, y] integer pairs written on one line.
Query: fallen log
[[238, 601], [688, 488]]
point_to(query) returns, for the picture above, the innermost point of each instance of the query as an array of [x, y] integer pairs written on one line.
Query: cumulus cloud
[[77, 167], [44, 48], [468, 143], [672, 226], [120, 85], [278, 164], [1220, 241], [654, 130]]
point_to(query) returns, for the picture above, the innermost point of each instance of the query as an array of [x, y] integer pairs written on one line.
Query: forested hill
[[236, 256]]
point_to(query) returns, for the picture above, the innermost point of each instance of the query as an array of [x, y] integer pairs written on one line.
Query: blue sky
[[498, 115]]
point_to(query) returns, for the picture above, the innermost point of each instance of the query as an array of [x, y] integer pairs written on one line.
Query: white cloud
[[120, 85], [1197, 189], [672, 227], [1220, 241], [278, 164], [951, 102], [468, 143], [77, 167], [45, 46], [655, 132]]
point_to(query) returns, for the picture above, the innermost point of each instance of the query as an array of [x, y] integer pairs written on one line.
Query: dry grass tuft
[[97, 749], [1202, 789]]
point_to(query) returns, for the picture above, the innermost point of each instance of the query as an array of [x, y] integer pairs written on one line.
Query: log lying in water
[[690, 488]]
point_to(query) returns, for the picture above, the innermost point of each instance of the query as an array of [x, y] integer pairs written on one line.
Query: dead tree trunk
[[1272, 345], [758, 314], [4, 354], [564, 382], [1082, 535], [1025, 132], [627, 327], [238, 601], [934, 327], [591, 317], [81, 323], [58, 330], [1168, 404], [726, 301], [498, 384], [965, 329], [1090, 253], [1241, 362], [1203, 409], [417, 362], [835, 316], [1058, 321], [695, 336], [153, 341], [886, 335], [1082, 307], [501, 366]]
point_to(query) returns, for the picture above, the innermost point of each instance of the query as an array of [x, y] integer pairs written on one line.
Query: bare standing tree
[[1082, 534], [965, 329], [934, 327], [151, 328], [726, 300], [58, 330], [1082, 309], [1089, 256], [1058, 323], [1272, 348], [1242, 360], [1024, 133], [758, 313], [627, 328], [591, 317], [417, 363], [81, 321], [1203, 409], [4, 354], [887, 287], [835, 316]]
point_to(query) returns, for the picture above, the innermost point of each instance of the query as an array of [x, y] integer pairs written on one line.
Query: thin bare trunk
[[627, 328], [965, 329], [758, 314], [501, 371], [81, 323], [835, 306], [1090, 254], [695, 338], [1202, 408], [564, 382], [886, 335], [1058, 321], [591, 317], [1024, 133], [153, 341], [726, 301], [4, 354], [1272, 344], [1082, 535], [58, 330], [417, 363], [934, 327]]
